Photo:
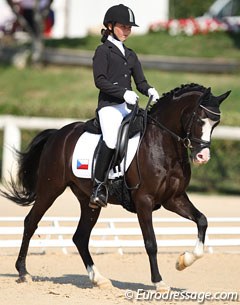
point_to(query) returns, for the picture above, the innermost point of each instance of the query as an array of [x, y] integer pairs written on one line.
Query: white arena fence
[[12, 126], [123, 234]]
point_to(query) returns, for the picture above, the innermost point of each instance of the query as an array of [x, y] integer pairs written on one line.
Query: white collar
[[117, 43]]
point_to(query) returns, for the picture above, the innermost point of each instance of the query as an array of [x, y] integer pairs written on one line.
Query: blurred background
[[46, 49]]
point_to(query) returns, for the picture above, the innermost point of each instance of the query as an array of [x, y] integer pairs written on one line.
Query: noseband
[[187, 141]]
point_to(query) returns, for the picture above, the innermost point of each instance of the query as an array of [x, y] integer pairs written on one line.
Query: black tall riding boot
[[100, 190]]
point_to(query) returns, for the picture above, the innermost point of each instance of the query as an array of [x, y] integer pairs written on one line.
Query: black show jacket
[[112, 73]]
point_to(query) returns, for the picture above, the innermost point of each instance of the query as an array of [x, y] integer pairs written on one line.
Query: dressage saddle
[[131, 125]]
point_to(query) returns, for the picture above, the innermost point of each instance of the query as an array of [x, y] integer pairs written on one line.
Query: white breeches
[[110, 120]]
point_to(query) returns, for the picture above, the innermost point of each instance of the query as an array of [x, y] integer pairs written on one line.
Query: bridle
[[188, 140], [202, 143]]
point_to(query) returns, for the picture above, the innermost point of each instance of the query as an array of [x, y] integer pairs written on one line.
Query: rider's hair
[[105, 33]]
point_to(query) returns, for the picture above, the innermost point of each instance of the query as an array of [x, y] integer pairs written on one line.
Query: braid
[[105, 33]]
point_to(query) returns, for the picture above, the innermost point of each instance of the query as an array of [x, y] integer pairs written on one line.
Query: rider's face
[[122, 31]]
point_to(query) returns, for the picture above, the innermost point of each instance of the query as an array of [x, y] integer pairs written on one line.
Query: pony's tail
[[23, 191]]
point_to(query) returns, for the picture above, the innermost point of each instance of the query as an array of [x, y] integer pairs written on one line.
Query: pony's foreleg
[[186, 259], [81, 238], [184, 207], [144, 214]]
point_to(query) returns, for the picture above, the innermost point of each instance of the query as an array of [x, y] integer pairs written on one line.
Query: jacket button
[[125, 63], [125, 75]]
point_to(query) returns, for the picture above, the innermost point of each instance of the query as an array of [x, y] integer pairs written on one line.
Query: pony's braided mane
[[176, 92], [183, 89]]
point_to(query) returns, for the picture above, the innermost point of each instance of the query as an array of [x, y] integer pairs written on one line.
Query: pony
[[178, 130]]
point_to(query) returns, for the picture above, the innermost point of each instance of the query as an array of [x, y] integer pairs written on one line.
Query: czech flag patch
[[82, 164]]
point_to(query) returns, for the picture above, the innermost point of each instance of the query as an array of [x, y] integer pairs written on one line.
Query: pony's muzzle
[[201, 157]]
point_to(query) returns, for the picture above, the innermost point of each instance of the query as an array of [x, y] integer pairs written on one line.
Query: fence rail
[[67, 57], [12, 126], [121, 233]]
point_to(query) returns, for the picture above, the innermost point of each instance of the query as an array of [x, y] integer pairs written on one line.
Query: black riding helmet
[[119, 14]]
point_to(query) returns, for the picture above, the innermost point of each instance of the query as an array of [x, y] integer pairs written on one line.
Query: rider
[[113, 66]]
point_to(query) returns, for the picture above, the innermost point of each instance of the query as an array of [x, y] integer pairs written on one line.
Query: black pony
[[182, 119]]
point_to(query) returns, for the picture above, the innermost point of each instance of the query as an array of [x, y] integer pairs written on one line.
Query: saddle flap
[[84, 151]]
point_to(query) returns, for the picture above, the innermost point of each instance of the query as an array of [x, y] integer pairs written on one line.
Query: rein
[[145, 117], [186, 141]]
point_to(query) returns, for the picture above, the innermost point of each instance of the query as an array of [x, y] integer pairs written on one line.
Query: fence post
[[11, 143]]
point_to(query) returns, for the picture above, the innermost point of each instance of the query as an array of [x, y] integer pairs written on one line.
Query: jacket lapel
[[114, 49]]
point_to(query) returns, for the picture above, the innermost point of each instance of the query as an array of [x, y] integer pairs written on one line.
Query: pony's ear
[[205, 97], [222, 97], [208, 91]]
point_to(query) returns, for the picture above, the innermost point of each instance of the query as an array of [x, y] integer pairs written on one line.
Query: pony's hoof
[[104, 284], [162, 287], [27, 278], [180, 263], [97, 279]]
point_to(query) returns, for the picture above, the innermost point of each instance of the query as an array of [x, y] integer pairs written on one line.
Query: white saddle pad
[[84, 151]]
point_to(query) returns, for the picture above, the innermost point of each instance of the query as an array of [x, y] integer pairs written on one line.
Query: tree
[[39, 12]]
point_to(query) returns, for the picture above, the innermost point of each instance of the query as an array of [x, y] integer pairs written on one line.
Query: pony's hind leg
[[184, 207], [30, 225], [81, 238]]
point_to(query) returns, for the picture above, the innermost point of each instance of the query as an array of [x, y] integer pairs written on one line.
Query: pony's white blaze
[[204, 155], [207, 129]]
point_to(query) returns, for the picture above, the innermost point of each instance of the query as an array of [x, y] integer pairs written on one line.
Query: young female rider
[[113, 66]]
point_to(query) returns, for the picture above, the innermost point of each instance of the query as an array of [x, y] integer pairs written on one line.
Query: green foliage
[[86, 43], [221, 173], [70, 92], [219, 44], [53, 92], [188, 8]]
